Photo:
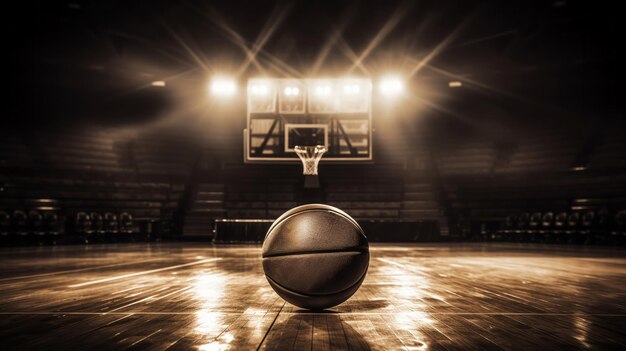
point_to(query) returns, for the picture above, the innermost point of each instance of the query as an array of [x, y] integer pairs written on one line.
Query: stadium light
[[351, 89], [391, 86], [355, 95], [292, 96], [261, 95], [260, 89], [323, 90], [320, 96], [223, 86], [292, 91]]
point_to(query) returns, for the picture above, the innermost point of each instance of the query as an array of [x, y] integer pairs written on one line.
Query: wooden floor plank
[[181, 296], [321, 339]]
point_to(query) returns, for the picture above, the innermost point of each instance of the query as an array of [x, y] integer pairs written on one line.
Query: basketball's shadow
[[313, 331], [361, 306], [370, 305]]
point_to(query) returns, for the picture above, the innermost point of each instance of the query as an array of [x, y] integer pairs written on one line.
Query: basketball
[[315, 256]]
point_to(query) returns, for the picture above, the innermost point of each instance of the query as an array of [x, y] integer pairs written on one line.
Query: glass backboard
[[284, 113]]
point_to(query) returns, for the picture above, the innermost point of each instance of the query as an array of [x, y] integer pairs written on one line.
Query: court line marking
[[388, 261], [329, 313], [78, 270], [271, 326], [143, 272], [145, 337]]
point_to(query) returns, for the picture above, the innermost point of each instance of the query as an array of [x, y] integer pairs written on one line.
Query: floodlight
[[351, 89], [223, 86], [391, 86], [291, 96], [259, 89], [323, 90], [292, 91], [261, 95], [320, 96], [355, 95]]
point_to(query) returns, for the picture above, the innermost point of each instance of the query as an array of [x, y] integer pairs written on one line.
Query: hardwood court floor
[[416, 297]]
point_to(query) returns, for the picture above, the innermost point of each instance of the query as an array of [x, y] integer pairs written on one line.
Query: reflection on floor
[[416, 297]]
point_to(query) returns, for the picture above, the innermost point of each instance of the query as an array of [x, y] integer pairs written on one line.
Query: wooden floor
[[415, 297]]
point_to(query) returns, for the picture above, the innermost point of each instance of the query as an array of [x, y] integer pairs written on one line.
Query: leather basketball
[[315, 256]]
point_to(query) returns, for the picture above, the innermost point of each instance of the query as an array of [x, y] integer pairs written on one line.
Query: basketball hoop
[[310, 157]]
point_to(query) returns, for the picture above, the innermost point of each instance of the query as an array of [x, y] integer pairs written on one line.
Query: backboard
[[284, 113]]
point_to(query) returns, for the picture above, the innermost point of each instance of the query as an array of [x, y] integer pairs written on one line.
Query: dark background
[[92, 61], [538, 125]]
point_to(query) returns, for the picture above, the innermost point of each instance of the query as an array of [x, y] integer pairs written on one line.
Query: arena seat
[[573, 223], [522, 223], [35, 223], [82, 224], [97, 223], [619, 224], [479, 200], [510, 224], [5, 223], [590, 226], [534, 223], [560, 222], [603, 223], [126, 223], [51, 224], [20, 222], [508, 227], [588, 223], [111, 225], [547, 223]]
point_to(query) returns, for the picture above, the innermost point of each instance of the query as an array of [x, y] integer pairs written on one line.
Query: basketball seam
[[351, 220], [315, 207], [293, 253], [311, 207]]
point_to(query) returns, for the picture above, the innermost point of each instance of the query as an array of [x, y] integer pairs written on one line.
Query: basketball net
[[310, 157]]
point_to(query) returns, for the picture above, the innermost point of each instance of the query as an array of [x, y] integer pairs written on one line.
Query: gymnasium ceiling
[[67, 57]]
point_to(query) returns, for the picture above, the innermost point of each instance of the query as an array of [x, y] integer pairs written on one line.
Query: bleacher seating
[[64, 182], [254, 199], [473, 157], [163, 154], [100, 181], [379, 198], [590, 226], [83, 150], [543, 151]]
